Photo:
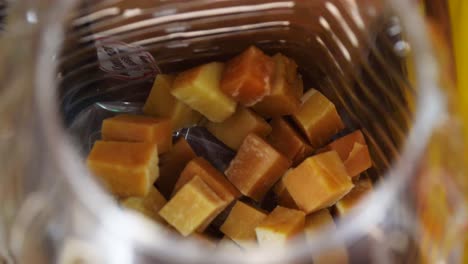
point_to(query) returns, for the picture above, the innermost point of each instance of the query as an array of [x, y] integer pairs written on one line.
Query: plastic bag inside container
[[86, 128]]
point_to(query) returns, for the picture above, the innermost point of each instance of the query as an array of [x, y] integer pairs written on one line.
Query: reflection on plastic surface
[[86, 128]]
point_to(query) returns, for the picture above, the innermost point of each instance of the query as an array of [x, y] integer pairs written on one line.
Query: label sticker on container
[[124, 61]]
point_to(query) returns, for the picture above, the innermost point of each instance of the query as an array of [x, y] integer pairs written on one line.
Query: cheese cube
[[358, 160], [280, 226], [213, 178], [148, 205], [284, 98], [172, 164], [344, 145], [161, 103], [353, 151], [317, 118], [256, 167], [247, 77], [125, 168], [234, 129], [318, 182], [286, 140], [362, 188], [199, 88], [125, 127], [241, 223], [316, 222], [191, 206], [282, 195]]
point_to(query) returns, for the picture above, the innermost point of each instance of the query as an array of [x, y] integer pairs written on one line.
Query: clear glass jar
[[371, 58]]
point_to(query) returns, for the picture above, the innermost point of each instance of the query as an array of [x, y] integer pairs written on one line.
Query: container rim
[[430, 107]]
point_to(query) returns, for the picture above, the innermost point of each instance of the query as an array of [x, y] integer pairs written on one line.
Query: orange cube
[[318, 182], [247, 77], [172, 164], [125, 168], [279, 226], [234, 129], [282, 195], [318, 118], [358, 160], [199, 88], [353, 152], [284, 98], [287, 141], [215, 180], [344, 145], [362, 188], [191, 206], [256, 167], [241, 223], [148, 205], [314, 224], [161, 103], [137, 128]]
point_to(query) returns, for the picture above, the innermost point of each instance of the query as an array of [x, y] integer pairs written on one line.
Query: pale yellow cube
[[199, 88], [161, 103], [314, 224], [233, 130], [191, 206], [241, 223], [148, 205], [125, 168], [280, 226]]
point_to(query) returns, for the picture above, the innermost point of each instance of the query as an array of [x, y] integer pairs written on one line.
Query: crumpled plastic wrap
[[86, 129]]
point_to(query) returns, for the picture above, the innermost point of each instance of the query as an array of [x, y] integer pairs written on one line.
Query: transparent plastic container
[[373, 59]]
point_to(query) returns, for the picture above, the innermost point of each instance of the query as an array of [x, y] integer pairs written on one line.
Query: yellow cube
[[234, 129], [161, 103], [241, 223], [284, 98], [199, 88], [213, 178], [125, 168], [362, 188], [191, 206], [316, 222], [353, 151], [125, 127], [210, 175], [318, 118], [279, 226], [148, 205], [318, 182]]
